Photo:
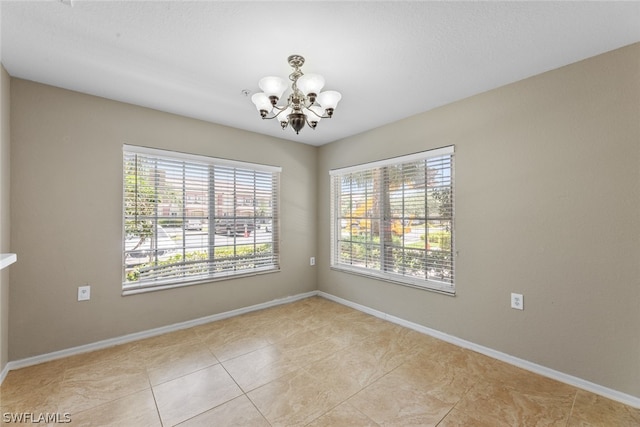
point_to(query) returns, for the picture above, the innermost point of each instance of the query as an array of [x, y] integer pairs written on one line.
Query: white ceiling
[[390, 60]]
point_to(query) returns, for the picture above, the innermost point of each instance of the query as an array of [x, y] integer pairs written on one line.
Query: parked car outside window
[[235, 226], [193, 224]]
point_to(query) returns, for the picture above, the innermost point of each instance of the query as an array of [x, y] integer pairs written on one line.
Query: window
[[394, 219], [187, 219]]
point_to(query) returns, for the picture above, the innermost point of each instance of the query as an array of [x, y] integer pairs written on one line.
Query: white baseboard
[[4, 372], [533, 367], [618, 396], [99, 345]]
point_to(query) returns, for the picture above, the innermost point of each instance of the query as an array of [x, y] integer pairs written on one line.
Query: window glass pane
[[396, 220], [188, 221]]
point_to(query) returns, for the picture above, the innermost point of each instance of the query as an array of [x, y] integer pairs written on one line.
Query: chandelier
[[306, 104]]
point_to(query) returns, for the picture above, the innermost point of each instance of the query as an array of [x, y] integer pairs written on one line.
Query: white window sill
[[7, 259]]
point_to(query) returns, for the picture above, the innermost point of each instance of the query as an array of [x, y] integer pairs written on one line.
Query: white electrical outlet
[[312, 260], [84, 293], [517, 301]]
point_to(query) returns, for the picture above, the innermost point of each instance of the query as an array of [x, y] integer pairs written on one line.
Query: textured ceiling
[[390, 60]]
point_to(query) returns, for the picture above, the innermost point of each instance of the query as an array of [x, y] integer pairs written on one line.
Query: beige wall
[[5, 211], [547, 205], [66, 195]]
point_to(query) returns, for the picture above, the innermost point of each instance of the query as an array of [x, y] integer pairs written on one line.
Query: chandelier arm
[[280, 110], [316, 114], [270, 118], [306, 119]]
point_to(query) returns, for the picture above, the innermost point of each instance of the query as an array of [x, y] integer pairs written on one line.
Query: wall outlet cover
[[84, 293], [517, 301]]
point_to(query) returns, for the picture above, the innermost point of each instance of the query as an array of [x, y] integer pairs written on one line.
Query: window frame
[[374, 267], [264, 176]]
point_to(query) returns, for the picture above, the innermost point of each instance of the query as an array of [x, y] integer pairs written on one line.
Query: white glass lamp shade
[[262, 102], [329, 99], [311, 83], [272, 86], [318, 113]]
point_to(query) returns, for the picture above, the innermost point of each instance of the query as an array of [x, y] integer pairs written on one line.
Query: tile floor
[[308, 363]]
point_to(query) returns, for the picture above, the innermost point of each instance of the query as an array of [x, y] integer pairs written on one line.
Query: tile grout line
[[573, 404], [360, 412], [244, 393], [155, 401], [345, 401], [257, 409], [456, 404]]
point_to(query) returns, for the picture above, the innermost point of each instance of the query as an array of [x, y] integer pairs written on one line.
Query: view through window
[[190, 219], [394, 219]]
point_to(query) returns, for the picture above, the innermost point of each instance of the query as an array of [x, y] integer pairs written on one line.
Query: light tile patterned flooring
[[309, 363]]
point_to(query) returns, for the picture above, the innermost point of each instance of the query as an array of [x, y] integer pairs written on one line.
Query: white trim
[[7, 259], [609, 393], [29, 361], [128, 289], [394, 160], [424, 284], [198, 158], [4, 372]]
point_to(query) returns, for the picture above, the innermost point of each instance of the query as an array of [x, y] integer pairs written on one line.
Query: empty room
[[222, 213]]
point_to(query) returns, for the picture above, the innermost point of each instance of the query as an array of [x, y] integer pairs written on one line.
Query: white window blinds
[[191, 219], [394, 219]]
